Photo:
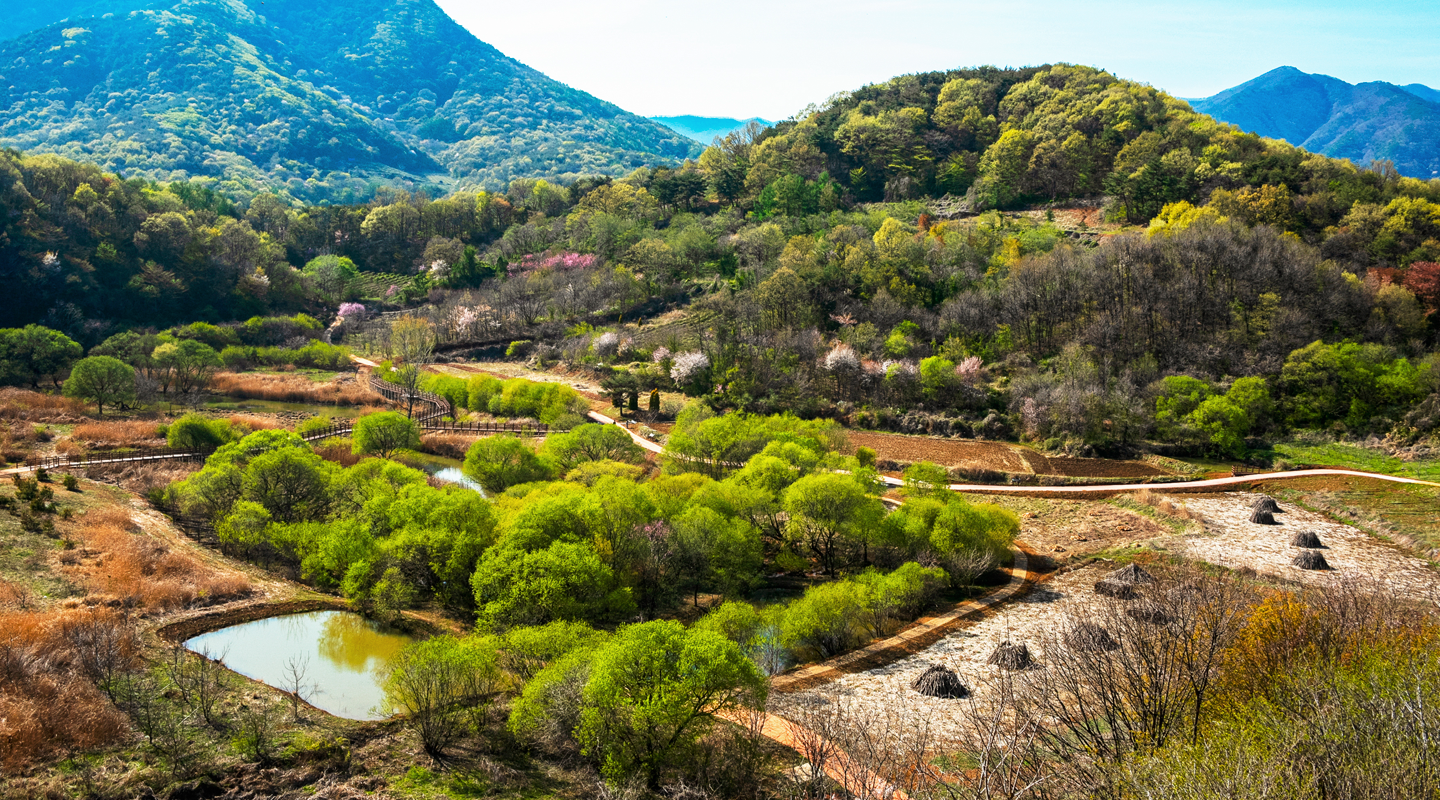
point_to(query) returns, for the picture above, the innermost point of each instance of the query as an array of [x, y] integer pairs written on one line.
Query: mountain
[[705, 129], [1422, 91], [324, 102], [1364, 122]]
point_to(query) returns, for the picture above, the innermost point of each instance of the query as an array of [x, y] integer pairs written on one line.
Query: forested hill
[[1364, 122], [322, 102], [1008, 138]]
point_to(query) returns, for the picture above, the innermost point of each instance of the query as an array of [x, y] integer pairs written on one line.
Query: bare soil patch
[[1066, 530], [967, 453], [999, 456]]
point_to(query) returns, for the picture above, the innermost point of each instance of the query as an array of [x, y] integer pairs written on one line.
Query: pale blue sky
[[770, 58]]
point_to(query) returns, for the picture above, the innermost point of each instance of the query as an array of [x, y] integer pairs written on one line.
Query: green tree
[[925, 479], [293, 484], [1223, 423], [331, 274], [565, 581], [830, 513], [437, 682], [1003, 167], [654, 690], [103, 380], [592, 442], [384, 433], [499, 462], [33, 353], [186, 365]]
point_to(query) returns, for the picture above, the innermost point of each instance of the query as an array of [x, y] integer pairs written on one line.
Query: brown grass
[[118, 433], [253, 422], [21, 404], [339, 453], [143, 477], [48, 706], [450, 445], [293, 389], [1165, 505], [119, 560], [16, 596]]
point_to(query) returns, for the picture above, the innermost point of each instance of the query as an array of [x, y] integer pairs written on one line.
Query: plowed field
[[974, 454]]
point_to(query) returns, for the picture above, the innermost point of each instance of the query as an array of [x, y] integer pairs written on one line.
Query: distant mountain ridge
[[1362, 122], [706, 129], [322, 101]]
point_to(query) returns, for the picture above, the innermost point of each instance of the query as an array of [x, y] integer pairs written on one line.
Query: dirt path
[[858, 781], [1110, 490]]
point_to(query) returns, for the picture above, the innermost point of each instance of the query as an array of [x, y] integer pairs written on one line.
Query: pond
[[444, 469], [346, 657], [239, 404], [456, 476]]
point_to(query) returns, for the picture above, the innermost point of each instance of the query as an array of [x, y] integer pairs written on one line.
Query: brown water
[[346, 657]]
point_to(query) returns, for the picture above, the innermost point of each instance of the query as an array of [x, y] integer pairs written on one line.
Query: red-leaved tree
[[1423, 278]]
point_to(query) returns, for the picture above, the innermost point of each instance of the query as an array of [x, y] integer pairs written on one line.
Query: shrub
[[195, 432], [384, 433], [526, 651], [828, 620]]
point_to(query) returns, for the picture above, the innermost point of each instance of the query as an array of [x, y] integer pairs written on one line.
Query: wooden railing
[[124, 456], [489, 426], [432, 419], [439, 406]]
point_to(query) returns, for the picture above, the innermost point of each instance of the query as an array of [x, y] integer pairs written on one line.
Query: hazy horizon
[[771, 59]]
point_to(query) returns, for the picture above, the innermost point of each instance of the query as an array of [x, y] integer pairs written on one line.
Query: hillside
[[706, 129], [324, 102], [1365, 122]]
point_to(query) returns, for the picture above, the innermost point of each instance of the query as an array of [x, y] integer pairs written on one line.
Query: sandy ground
[[1233, 541], [1028, 620]]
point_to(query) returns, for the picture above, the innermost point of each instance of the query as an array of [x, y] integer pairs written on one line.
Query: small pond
[[456, 476], [240, 404], [443, 469], [347, 657]]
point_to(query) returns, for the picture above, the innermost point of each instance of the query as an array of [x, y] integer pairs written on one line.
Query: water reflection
[[456, 476], [348, 656]]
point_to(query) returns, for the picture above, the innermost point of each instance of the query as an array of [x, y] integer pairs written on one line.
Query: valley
[[382, 418]]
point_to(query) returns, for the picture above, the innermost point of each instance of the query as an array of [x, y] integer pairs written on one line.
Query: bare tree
[[200, 679], [295, 681], [412, 343], [1131, 674], [106, 647]]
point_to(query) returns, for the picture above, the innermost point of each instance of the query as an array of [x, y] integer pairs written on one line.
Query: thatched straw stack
[[1148, 613], [940, 681], [1089, 637], [1310, 559], [1011, 656], [1268, 504], [1307, 539], [1121, 583], [1263, 517]]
